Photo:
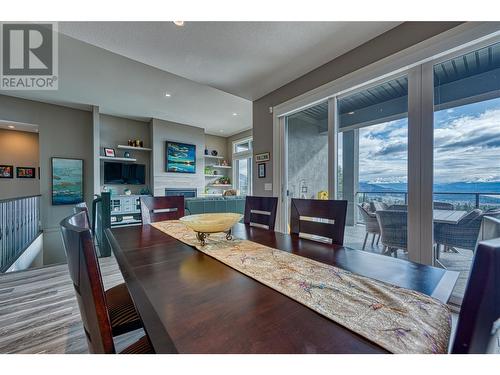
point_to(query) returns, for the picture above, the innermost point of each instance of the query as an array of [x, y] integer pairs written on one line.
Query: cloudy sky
[[466, 139]]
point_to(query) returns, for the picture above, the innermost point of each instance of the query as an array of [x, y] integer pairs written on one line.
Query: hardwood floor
[[39, 312]]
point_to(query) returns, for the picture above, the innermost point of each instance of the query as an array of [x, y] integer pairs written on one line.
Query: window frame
[[236, 156], [417, 63]]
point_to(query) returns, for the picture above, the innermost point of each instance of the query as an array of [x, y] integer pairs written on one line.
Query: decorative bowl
[[204, 224], [211, 223]]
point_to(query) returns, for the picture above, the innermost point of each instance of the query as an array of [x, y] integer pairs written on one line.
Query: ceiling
[[211, 70], [247, 59], [18, 126]]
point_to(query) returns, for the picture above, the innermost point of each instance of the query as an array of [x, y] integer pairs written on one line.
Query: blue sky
[[466, 139]]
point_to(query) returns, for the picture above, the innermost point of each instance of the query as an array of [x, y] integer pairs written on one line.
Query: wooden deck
[[39, 312]]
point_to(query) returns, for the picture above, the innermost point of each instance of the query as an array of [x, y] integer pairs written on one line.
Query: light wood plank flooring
[[39, 312]]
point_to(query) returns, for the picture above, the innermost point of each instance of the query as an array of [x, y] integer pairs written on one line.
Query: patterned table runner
[[398, 319]]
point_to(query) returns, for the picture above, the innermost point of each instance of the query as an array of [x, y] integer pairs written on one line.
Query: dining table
[[190, 302], [448, 216]]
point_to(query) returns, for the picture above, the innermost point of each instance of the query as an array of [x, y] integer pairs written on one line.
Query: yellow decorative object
[[211, 223], [323, 195]]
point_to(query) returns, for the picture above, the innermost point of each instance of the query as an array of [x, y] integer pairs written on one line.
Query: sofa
[[203, 205]]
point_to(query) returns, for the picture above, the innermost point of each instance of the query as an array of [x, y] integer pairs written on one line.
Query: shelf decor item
[[67, 181], [25, 172], [180, 157], [205, 224], [262, 170], [6, 171], [109, 152], [224, 180], [126, 154], [214, 153], [265, 156]]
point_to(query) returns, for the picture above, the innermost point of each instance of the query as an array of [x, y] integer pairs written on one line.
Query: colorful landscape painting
[[181, 157], [67, 181]]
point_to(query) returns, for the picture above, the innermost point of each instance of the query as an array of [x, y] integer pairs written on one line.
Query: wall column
[[96, 145], [350, 172]]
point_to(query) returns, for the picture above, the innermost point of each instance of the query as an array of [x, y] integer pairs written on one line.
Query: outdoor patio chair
[[463, 234], [376, 206], [371, 223], [393, 229]]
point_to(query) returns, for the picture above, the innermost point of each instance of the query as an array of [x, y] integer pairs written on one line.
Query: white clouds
[[467, 148]]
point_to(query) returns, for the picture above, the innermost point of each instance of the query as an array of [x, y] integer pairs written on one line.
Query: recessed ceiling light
[[179, 23], [12, 127], [235, 114], [168, 95], [350, 113], [222, 131]]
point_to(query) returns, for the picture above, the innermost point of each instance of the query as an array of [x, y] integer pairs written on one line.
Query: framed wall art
[[25, 172], [67, 181]]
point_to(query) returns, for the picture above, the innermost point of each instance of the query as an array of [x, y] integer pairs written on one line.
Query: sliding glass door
[[307, 154], [373, 166], [466, 155], [416, 156]]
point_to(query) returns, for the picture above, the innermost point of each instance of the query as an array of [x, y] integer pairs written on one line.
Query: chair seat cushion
[[122, 313], [141, 346]]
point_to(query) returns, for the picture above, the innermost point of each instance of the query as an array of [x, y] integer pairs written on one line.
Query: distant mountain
[[440, 191], [454, 187]]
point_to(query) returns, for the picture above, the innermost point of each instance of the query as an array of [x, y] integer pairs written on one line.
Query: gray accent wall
[[163, 131], [116, 131], [63, 132], [395, 40]]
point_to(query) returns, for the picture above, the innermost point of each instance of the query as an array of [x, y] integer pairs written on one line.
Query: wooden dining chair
[[104, 313], [83, 207], [155, 209], [261, 211], [332, 215], [479, 318]]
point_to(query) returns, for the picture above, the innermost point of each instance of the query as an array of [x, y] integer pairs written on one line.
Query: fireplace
[[187, 193]]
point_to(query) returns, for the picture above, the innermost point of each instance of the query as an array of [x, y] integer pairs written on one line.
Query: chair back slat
[[481, 304], [333, 211], [87, 282], [261, 210], [154, 209]]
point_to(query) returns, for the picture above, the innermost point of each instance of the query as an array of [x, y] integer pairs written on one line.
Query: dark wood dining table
[[191, 303]]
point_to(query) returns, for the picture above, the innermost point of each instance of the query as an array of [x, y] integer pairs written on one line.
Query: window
[[242, 164], [466, 148]]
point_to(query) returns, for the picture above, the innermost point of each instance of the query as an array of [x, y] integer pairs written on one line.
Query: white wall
[[170, 131], [19, 149]]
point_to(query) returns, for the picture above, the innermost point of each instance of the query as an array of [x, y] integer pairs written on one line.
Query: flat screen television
[[124, 173]]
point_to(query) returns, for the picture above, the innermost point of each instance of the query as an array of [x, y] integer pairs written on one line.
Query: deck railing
[[19, 226], [401, 197]]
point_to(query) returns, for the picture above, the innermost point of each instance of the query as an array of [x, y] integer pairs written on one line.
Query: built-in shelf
[[219, 166], [131, 160], [214, 175], [220, 185], [124, 147], [211, 195], [214, 157]]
